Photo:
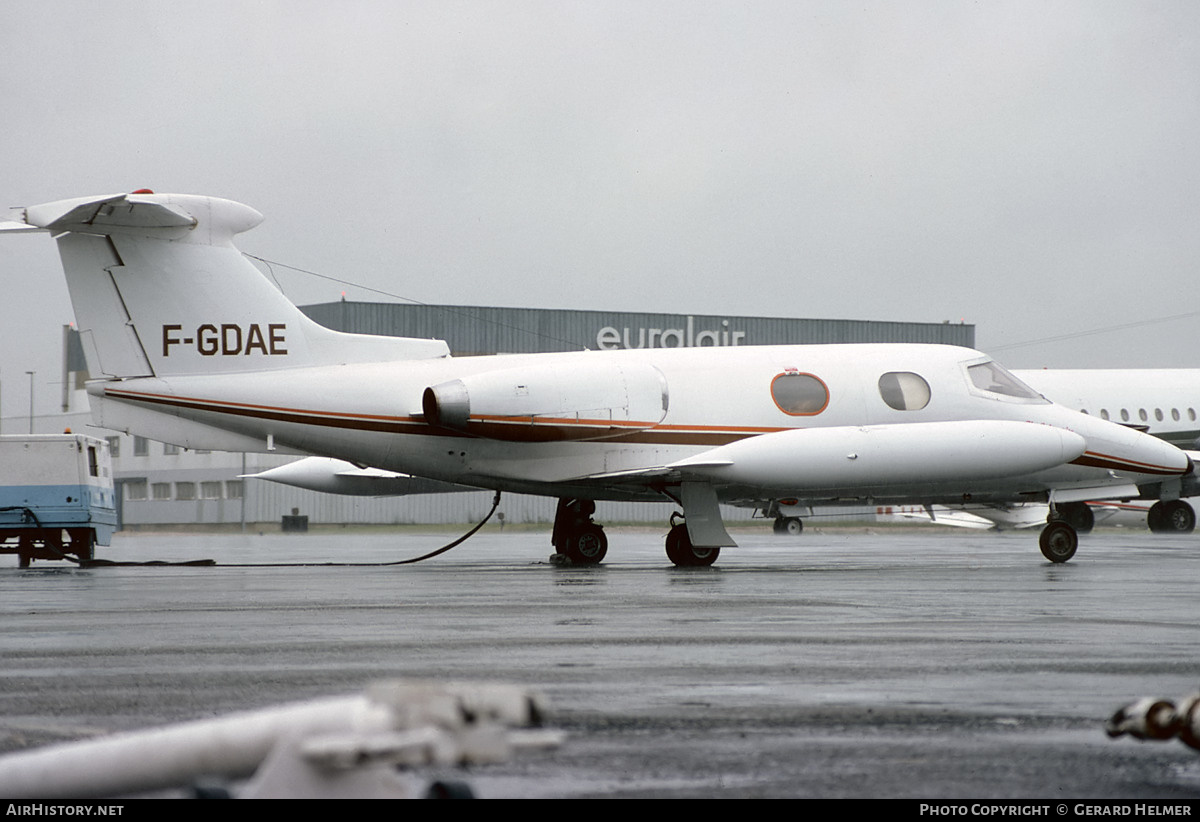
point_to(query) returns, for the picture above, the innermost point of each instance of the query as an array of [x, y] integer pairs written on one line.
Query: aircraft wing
[[937, 515]]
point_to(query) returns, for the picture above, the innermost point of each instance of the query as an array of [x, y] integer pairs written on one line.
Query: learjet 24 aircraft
[[189, 343]]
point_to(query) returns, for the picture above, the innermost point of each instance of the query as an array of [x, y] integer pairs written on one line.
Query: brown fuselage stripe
[[518, 431], [1094, 460]]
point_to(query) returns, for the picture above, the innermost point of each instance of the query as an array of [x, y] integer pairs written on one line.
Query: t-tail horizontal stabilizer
[[160, 290]]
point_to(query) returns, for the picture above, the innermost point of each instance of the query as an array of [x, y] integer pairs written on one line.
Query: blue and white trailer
[[56, 496]]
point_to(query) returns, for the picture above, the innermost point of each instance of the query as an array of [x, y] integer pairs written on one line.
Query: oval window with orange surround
[[800, 395]]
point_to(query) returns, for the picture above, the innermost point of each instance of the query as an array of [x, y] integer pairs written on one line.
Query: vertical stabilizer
[[159, 289]]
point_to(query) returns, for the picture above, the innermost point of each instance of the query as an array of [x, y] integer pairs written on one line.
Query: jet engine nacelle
[[880, 455], [544, 403]]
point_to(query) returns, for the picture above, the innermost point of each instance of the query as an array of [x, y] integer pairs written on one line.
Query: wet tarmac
[[918, 663]]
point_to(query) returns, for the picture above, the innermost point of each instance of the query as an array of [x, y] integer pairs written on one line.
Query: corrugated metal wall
[[482, 330]]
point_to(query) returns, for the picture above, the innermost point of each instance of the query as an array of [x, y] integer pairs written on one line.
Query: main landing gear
[[581, 541], [575, 535], [1174, 517], [681, 551]]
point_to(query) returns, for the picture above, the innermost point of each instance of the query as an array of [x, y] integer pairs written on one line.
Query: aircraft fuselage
[[688, 401]]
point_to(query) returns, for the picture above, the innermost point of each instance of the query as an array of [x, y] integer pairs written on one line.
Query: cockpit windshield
[[995, 379]]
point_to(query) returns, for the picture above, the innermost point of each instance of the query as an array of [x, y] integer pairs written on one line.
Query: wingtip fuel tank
[[878, 456]]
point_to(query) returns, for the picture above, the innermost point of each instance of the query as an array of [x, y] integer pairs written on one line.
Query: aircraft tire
[[1154, 518], [1058, 541], [587, 546], [449, 789], [791, 526], [685, 555], [1078, 515], [1178, 517]]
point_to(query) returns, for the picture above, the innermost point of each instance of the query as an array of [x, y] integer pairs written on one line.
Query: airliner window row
[[1145, 417]]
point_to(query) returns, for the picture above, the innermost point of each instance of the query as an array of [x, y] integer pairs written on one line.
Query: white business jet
[[190, 344]]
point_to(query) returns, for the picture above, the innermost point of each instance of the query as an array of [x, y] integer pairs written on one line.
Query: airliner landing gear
[[681, 551], [792, 526], [1058, 541], [575, 536], [1078, 515], [1174, 517]]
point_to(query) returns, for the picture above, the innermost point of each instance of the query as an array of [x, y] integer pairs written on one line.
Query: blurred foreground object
[[343, 747]]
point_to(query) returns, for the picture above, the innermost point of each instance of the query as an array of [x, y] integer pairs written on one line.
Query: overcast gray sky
[[1029, 167]]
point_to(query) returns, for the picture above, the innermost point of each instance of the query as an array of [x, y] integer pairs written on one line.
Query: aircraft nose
[[1130, 451]]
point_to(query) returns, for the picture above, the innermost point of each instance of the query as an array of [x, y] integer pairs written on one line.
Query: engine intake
[[447, 405]]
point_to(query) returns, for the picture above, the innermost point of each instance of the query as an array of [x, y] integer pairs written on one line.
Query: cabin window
[[1143, 415], [799, 394], [1192, 414], [1103, 413], [1158, 414], [904, 390], [1175, 414], [994, 379], [1124, 415]]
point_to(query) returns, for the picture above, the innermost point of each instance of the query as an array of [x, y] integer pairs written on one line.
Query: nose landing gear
[[1058, 541]]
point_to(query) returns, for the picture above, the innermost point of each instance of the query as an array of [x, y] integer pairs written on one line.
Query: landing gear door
[[703, 516]]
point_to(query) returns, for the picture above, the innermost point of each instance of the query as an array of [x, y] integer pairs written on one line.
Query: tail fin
[[159, 289]]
